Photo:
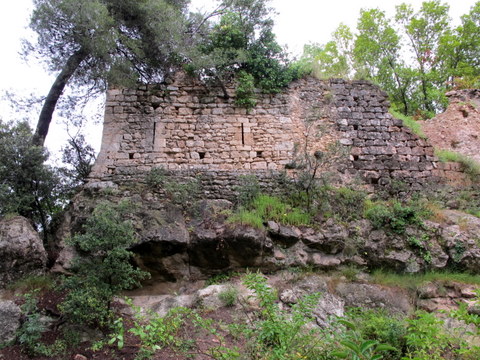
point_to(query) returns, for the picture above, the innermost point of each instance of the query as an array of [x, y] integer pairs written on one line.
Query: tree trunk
[[54, 94]]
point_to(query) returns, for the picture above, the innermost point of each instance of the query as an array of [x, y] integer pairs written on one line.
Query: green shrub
[[248, 189], [381, 326], [412, 281], [356, 348], [392, 215], [156, 177], [246, 217], [347, 204], [280, 334], [183, 193], [155, 331], [30, 332], [31, 283], [229, 296], [104, 267], [272, 208], [425, 338]]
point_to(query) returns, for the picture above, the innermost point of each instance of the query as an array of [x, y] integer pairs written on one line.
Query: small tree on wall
[[313, 165]]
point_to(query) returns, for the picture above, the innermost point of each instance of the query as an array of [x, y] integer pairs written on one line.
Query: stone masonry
[[186, 127]]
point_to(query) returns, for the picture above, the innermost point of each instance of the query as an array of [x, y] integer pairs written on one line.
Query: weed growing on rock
[[470, 166], [281, 334], [393, 215], [229, 296], [265, 208], [248, 189]]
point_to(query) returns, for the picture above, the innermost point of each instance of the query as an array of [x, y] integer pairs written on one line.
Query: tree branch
[[54, 94]]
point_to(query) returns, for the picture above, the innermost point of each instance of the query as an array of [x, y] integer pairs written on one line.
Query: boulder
[[328, 308], [374, 296], [9, 320], [21, 250]]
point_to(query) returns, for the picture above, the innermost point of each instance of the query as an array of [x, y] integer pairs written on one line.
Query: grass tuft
[[413, 281], [470, 166], [409, 122]]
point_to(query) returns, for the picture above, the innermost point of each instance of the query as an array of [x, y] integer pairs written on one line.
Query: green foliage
[[415, 56], [32, 283], [421, 244], [393, 215], [345, 203], [220, 278], [183, 192], [470, 166], [156, 177], [242, 45], [264, 208], [463, 314], [229, 296], [355, 348], [154, 331], [245, 92], [248, 189], [425, 338], [104, 268], [30, 332], [28, 187], [246, 217], [381, 326], [409, 122], [279, 334], [323, 61], [412, 281], [80, 157], [118, 333]]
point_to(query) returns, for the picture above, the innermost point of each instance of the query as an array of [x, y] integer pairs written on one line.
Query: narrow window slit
[[154, 131], [201, 154], [243, 135], [130, 156], [259, 154]]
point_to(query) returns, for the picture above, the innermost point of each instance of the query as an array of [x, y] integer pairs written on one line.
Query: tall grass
[[409, 122], [265, 208], [470, 166], [413, 281]]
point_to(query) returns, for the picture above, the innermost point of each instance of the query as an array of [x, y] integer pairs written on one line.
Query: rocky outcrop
[[199, 242], [458, 128], [21, 250]]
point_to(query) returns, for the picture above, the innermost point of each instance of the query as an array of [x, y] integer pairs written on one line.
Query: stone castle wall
[[184, 126]]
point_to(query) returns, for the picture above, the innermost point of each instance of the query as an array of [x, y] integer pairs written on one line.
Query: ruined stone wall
[[185, 126]]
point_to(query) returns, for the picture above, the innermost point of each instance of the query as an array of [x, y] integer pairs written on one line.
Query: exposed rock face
[[458, 128], [199, 243], [9, 320], [21, 250], [374, 297]]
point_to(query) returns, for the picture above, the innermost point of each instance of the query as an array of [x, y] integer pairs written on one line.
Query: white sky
[[298, 22]]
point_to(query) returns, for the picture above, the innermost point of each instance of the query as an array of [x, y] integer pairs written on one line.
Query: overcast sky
[[298, 22]]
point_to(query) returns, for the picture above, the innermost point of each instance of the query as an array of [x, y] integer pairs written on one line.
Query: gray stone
[[9, 320], [328, 308], [21, 250], [374, 296]]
